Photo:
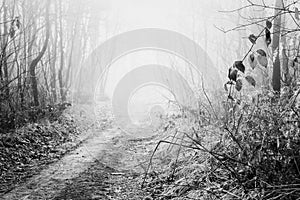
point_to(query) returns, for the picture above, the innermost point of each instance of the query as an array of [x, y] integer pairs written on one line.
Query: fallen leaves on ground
[[25, 150]]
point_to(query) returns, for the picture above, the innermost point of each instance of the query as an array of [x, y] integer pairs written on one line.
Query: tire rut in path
[[115, 175], [57, 175]]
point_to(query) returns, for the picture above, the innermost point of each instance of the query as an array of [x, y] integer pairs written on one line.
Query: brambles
[[254, 153], [266, 147]]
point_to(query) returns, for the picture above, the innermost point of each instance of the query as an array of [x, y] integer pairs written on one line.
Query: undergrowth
[[24, 150], [252, 152], [13, 119]]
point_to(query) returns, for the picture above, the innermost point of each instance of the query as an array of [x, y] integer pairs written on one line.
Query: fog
[[149, 99], [105, 41], [203, 22]]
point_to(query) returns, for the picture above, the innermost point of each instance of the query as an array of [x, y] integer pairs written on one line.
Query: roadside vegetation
[[26, 150], [242, 142], [40, 56], [250, 149]]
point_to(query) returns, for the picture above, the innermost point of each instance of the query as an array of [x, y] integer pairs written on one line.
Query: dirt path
[[54, 178], [107, 163], [115, 174]]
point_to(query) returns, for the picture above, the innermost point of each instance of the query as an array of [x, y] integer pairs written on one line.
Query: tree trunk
[[275, 47], [33, 64], [4, 49], [53, 61], [284, 54], [60, 71]]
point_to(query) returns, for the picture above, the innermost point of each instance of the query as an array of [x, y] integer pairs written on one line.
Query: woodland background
[[252, 151]]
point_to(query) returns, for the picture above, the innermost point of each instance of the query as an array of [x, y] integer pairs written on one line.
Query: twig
[[151, 158], [207, 98]]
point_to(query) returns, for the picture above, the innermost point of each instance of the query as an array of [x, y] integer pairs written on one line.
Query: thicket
[[251, 150], [42, 47]]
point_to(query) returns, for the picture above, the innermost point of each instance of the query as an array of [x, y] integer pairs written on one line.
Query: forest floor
[[107, 164]]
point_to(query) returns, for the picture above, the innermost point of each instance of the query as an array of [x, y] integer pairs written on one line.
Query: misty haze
[[149, 99]]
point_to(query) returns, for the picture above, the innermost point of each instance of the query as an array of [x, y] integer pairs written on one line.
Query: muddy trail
[[108, 164]]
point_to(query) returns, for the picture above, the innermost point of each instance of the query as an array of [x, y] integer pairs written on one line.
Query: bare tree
[[34, 63]]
